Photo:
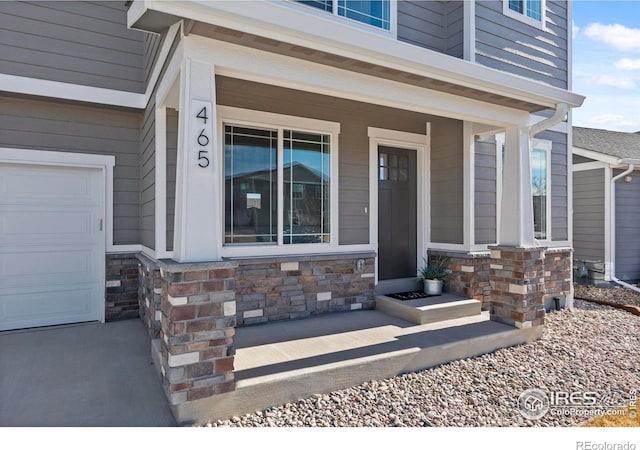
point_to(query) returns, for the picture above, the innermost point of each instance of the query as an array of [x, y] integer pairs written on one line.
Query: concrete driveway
[[80, 375]]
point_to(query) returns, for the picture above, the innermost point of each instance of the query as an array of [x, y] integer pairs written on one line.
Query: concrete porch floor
[[284, 361], [89, 374]]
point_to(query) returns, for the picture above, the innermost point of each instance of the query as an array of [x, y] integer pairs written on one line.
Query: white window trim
[[333, 15], [249, 118], [546, 146], [421, 144], [537, 144], [522, 17]]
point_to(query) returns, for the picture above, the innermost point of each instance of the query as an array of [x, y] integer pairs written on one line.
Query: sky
[[606, 63]]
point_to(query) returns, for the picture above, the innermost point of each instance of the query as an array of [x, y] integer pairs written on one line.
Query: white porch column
[[516, 224], [197, 227]]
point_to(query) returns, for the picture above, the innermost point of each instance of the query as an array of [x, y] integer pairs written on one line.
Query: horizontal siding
[[436, 25], [447, 183], [628, 228], [354, 118], [172, 155], [559, 191], [84, 43], [63, 127], [455, 28], [148, 177], [147, 171], [152, 45], [588, 215], [485, 191], [507, 44]]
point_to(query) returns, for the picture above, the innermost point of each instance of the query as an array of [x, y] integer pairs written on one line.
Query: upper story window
[[376, 13], [528, 11]]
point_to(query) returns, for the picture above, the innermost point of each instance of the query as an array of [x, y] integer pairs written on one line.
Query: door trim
[[413, 141], [105, 164]]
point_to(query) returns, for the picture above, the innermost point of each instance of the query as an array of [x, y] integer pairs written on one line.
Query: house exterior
[[606, 185], [211, 165]]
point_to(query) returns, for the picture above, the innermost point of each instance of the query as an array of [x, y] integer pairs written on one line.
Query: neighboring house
[[606, 211], [225, 163]]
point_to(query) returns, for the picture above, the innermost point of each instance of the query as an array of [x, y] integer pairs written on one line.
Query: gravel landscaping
[[616, 294], [592, 348]]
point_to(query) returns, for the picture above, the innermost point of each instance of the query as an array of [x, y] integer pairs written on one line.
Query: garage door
[[51, 245]]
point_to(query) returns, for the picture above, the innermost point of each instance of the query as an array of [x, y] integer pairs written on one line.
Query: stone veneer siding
[[557, 275], [469, 274], [195, 349], [517, 285], [285, 288], [150, 295], [121, 290]]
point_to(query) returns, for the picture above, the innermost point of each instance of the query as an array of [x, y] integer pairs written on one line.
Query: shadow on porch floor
[[284, 361]]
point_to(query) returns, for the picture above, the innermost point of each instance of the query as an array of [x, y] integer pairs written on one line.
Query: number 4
[[203, 114]]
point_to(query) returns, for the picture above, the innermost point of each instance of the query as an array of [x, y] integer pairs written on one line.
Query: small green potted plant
[[434, 274]]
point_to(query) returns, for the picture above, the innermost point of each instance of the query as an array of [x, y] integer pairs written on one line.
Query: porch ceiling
[[354, 65]]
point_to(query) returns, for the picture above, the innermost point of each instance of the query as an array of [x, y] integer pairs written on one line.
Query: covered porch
[[201, 283]]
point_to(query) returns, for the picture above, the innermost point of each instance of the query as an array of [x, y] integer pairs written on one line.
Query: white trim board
[[260, 66], [589, 166]]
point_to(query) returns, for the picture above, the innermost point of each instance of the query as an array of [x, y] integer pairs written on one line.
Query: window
[[528, 11], [277, 186], [540, 185], [376, 13], [251, 185], [539, 180]]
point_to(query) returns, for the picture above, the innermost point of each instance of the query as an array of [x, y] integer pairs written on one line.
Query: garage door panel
[[60, 267], [47, 226], [51, 246], [42, 185], [29, 309]]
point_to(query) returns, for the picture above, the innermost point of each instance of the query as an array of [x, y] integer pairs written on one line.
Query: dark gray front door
[[396, 213]]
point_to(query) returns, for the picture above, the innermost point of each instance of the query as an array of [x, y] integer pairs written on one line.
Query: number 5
[[202, 156]]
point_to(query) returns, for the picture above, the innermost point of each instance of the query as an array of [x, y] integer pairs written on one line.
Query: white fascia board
[[260, 66], [311, 30], [135, 12], [68, 91], [597, 156], [589, 166]]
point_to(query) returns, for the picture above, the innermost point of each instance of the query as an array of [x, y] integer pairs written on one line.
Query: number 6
[[203, 136]]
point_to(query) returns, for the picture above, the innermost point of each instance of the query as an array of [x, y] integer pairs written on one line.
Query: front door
[[396, 213]]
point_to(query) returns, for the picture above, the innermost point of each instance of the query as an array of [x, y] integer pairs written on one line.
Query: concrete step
[[430, 309]]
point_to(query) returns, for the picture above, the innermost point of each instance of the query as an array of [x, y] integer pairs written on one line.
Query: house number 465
[[200, 130]]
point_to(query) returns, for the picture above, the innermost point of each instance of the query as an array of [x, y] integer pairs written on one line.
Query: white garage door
[[51, 245]]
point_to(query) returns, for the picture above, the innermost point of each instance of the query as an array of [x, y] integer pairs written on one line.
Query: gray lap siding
[[68, 127]]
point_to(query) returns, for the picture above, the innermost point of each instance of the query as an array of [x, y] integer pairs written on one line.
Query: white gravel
[[592, 348]]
